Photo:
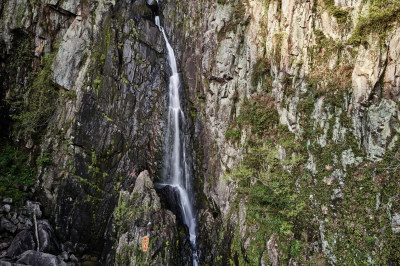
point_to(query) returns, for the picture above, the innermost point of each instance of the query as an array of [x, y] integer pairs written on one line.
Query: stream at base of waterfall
[[175, 161]]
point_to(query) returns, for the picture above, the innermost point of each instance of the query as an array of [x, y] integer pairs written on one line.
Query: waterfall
[[176, 167]]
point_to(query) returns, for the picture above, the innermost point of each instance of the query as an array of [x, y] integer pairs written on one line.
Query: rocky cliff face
[[298, 105], [293, 111]]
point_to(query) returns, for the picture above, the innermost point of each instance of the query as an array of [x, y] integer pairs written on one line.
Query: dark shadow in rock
[[169, 197]]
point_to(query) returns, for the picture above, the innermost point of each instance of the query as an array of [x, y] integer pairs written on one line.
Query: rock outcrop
[[139, 214], [28, 239], [292, 106]]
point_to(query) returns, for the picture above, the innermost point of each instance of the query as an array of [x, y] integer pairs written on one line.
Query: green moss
[[69, 94], [109, 119], [22, 52], [44, 159], [340, 14], [15, 174], [120, 213], [233, 134], [35, 111], [261, 74], [381, 17], [273, 203], [278, 41], [93, 167], [259, 115]]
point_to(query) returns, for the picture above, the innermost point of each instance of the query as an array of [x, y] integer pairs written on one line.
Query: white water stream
[[175, 159]]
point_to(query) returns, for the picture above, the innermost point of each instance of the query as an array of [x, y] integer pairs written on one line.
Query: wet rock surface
[[139, 214], [110, 68], [170, 199]]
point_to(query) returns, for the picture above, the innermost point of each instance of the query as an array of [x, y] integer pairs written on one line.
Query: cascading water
[[177, 174]]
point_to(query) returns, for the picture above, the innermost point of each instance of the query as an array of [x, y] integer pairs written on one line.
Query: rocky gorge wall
[[293, 109], [298, 106], [85, 96]]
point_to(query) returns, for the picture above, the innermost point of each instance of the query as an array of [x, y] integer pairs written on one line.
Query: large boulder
[[7, 225], [36, 258], [47, 239], [25, 240], [139, 214], [22, 242]]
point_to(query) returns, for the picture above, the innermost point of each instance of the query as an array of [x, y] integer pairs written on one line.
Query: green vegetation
[[340, 14], [39, 102], [278, 40], [261, 73], [15, 174], [267, 181], [275, 183], [381, 17], [233, 134], [93, 167], [259, 116], [120, 213], [22, 53]]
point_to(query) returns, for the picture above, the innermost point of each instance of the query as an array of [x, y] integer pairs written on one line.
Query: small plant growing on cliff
[[233, 133], [381, 17], [340, 14], [39, 102], [260, 71], [15, 175]]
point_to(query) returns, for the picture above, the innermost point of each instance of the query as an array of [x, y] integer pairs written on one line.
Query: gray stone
[[272, 246], [70, 6], [395, 223], [47, 239], [36, 258], [6, 263], [337, 194], [34, 207], [73, 258], [22, 242], [64, 256], [14, 218], [8, 200], [7, 225], [67, 62], [25, 223], [151, 2], [7, 208], [143, 182], [381, 128]]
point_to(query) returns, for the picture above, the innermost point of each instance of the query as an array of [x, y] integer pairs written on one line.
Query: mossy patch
[[16, 176], [342, 15], [382, 15], [37, 105]]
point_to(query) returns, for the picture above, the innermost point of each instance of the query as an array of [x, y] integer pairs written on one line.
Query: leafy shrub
[[14, 173]]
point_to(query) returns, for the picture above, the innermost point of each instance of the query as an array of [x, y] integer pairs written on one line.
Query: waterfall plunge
[[175, 159]]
